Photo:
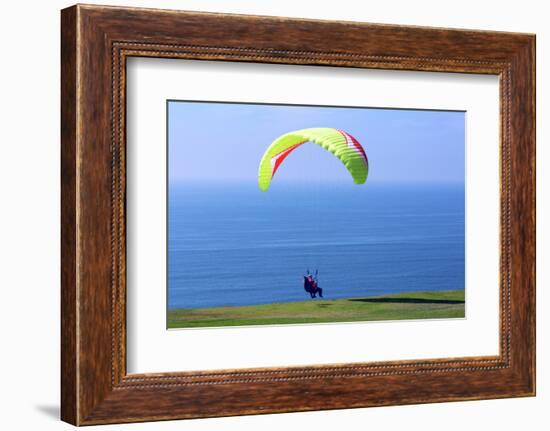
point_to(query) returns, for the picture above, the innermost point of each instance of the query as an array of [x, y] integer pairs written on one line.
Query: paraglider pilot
[[311, 286]]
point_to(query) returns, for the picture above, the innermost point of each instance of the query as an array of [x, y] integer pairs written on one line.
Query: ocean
[[231, 244]]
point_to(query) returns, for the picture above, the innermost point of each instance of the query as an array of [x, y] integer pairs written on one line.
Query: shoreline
[[400, 306]]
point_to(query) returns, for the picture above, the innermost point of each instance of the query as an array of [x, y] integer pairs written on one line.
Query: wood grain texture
[[69, 366], [96, 41]]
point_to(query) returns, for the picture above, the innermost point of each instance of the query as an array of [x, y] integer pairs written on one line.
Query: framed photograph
[[243, 251], [264, 214]]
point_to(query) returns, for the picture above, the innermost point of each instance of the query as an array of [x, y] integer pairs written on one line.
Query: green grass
[[411, 305]]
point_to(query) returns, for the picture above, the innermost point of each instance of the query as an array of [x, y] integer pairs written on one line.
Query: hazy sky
[[225, 142]]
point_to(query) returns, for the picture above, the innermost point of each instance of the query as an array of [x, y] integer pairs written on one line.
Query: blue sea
[[231, 244]]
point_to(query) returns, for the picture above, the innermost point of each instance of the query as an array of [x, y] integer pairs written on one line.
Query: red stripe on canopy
[[356, 144], [278, 158]]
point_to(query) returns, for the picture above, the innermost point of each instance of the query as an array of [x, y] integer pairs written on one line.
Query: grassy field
[[412, 305]]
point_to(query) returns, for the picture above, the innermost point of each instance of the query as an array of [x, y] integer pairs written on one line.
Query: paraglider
[[311, 284], [340, 143]]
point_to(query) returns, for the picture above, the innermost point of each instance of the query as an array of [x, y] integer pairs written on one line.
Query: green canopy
[[341, 144]]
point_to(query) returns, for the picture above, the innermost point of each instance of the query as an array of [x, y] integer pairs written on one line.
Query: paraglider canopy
[[340, 143]]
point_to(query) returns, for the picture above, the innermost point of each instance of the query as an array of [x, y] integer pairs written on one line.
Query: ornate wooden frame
[[95, 42]]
